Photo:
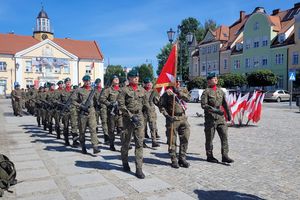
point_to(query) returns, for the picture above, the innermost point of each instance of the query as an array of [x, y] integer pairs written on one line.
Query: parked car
[[277, 95], [196, 95]]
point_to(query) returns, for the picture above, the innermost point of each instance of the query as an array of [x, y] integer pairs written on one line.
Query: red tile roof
[[11, 44]]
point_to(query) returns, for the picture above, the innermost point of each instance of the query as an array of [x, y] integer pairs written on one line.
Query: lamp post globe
[[171, 34]]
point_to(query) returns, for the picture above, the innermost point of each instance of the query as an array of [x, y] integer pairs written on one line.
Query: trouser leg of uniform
[[153, 128], [172, 144], [209, 136], [38, 116], [50, 121], [92, 123], [74, 124], [82, 128], [103, 116], [66, 121], [222, 131], [138, 134], [184, 135], [126, 139], [111, 129]]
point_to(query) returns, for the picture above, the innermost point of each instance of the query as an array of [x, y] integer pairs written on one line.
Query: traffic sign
[[292, 76]]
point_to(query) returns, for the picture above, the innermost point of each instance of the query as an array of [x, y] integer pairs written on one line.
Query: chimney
[[297, 5], [275, 12], [242, 15]]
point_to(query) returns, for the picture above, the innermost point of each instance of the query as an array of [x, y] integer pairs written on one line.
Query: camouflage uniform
[[131, 104], [114, 119], [87, 118], [42, 98], [16, 96], [213, 121], [38, 106], [56, 111], [50, 99], [181, 127]]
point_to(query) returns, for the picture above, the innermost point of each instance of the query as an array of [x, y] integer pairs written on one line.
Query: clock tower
[[43, 27]]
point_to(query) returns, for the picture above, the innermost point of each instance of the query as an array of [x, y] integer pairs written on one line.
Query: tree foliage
[[145, 70], [262, 78], [198, 82], [114, 70], [233, 80]]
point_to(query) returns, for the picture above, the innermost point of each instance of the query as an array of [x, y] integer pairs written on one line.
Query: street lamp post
[[181, 45]]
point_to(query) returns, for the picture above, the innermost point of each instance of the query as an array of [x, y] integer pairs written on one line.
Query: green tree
[[233, 80], [198, 82], [114, 70], [162, 57], [262, 78], [145, 70]]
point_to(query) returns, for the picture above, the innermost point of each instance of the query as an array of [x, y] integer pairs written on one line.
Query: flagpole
[[173, 102]]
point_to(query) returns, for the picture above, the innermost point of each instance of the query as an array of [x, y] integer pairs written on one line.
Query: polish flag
[[167, 76], [253, 107], [250, 103], [240, 104], [257, 114]]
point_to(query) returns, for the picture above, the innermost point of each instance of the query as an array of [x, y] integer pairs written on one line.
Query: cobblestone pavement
[[267, 163]]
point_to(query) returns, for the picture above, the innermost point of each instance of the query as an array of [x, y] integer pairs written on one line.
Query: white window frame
[[247, 62], [248, 44], [67, 69], [88, 69], [3, 66], [28, 67], [295, 60]]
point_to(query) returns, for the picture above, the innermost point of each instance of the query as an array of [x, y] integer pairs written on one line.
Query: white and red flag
[[240, 104], [257, 114], [167, 77]]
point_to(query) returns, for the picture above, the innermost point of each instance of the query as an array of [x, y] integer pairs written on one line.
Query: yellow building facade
[[35, 60]]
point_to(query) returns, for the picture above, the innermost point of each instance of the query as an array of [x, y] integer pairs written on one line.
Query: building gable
[[209, 37]]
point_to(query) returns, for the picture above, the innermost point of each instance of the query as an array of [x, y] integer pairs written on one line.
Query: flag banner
[[167, 77]]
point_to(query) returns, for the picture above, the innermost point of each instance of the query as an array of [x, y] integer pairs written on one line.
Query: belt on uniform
[[135, 112], [178, 114]]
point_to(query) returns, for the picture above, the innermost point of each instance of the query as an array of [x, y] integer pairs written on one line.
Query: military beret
[[41, 87], [133, 73], [113, 77], [178, 78], [67, 79], [60, 82], [51, 84], [86, 78], [211, 75], [75, 87], [98, 80], [147, 80]]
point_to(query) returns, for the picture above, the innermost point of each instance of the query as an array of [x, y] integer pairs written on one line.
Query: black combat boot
[[39, 122], [106, 139], [96, 149], [83, 148], [139, 173], [226, 159], [45, 126], [174, 163], [112, 147], [57, 129], [183, 163], [145, 145], [50, 128], [126, 167], [212, 159], [155, 144]]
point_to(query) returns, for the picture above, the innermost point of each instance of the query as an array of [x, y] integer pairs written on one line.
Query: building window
[[203, 66], [225, 63], [67, 69], [256, 26], [247, 63], [279, 59], [28, 66], [237, 64], [38, 68], [248, 44], [208, 63], [215, 64], [88, 69], [57, 69], [29, 83], [256, 44], [265, 41], [264, 61], [255, 62], [209, 49], [3, 66], [295, 58], [215, 48]]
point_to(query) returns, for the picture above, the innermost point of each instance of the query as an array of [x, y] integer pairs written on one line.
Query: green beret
[[67, 79], [75, 87], [86, 78], [133, 73], [60, 82], [147, 80], [51, 84], [211, 75], [98, 80], [113, 77]]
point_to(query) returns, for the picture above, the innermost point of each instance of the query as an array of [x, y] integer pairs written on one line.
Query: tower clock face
[[44, 36]]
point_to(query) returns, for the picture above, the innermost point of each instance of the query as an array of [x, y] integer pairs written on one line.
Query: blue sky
[[129, 32]]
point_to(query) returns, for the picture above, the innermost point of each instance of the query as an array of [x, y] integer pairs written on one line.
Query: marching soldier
[[44, 106], [50, 100], [70, 114], [114, 119], [153, 99], [16, 96], [56, 112], [132, 99], [181, 127], [97, 104], [87, 114], [38, 106], [211, 101]]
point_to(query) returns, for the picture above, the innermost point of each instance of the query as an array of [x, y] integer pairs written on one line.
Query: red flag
[[167, 76], [240, 104], [257, 114], [253, 107]]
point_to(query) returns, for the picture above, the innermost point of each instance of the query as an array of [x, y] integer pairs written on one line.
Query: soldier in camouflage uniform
[[16, 96], [211, 101], [38, 106], [56, 113], [44, 106], [132, 99], [181, 127], [87, 114], [97, 104], [50, 102], [23, 98], [70, 114], [114, 119], [153, 100]]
